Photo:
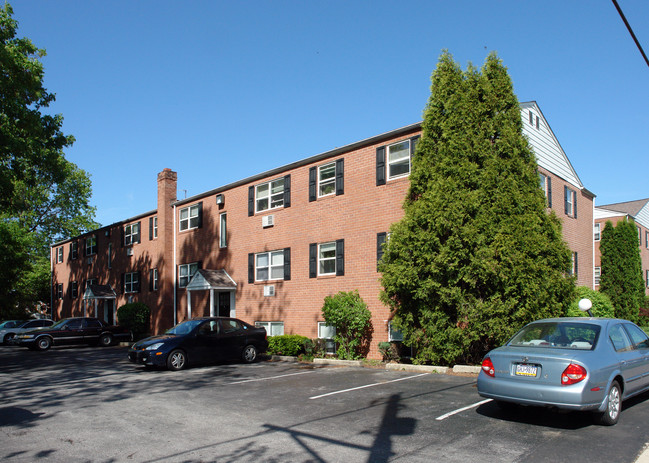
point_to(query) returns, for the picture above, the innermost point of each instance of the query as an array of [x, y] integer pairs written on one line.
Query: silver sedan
[[569, 363]]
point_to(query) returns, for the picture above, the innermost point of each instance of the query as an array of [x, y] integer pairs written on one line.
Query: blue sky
[[222, 90]]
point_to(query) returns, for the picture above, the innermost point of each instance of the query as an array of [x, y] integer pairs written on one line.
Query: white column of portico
[[189, 304], [211, 302]]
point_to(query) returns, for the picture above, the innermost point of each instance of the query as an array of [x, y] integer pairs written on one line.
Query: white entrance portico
[[222, 290], [105, 293]]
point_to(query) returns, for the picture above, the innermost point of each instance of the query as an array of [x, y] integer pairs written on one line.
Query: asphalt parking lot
[[84, 404]]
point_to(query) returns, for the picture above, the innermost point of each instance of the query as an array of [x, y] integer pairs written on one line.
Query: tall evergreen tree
[[621, 278], [476, 254]]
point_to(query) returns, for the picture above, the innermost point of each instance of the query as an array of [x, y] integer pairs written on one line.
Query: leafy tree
[[476, 254], [352, 319], [621, 278], [136, 316], [43, 197], [602, 305]]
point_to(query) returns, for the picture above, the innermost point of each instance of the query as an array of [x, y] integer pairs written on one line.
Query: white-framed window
[[639, 236], [272, 328], [131, 282], [327, 258], [398, 158], [155, 227], [74, 250], [131, 234], [647, 279], [58, 290], [269, 195], [393, 333], [186, 272], [597, 274], [269, 266], [190, 217], [59, 254], [574, 269], [570, 202], [597, 233], [91, 245], [646, 239], [153, 275], [223, 230], [327, 179], [327, 332]]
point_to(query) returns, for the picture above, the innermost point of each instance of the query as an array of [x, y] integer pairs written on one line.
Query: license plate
[[523, 369]]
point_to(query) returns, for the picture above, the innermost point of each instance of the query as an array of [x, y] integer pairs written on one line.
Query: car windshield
[[564, 335], [184, 327]]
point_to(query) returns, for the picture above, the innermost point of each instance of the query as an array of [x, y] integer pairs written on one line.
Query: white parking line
[[459, 410], [270, 377], [367, 385]]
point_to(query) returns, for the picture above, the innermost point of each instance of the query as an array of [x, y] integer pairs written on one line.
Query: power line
[[628, 26]]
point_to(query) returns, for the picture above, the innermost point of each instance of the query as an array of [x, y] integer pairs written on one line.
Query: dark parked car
[[201, 340], [7, 333], [570, 363], [78, 330]]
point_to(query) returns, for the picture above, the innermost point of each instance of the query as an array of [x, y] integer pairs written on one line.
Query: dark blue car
[[200, 340]]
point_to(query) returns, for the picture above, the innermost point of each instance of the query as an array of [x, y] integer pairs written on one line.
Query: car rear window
[[563, 335]]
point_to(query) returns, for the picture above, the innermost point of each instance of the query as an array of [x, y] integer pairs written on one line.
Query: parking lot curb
[[282, 358], [466, 369], [416, 368], [345, 363]]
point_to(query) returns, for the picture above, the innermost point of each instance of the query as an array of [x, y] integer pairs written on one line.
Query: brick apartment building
[[269, 248], [636, 210]]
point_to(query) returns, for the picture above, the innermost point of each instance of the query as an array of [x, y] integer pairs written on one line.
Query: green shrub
[[602, 305], [287, 344], [315, 348], [348, 313], [136, 316], [389, 351]]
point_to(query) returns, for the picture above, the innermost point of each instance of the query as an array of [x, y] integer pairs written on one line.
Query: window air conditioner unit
[[89, 260], [129, 251], [268, 221], [269, 290]]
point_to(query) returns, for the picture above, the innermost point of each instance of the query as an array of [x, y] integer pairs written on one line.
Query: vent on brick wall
[[268, 221], [89, 260], [129, 251], [269, 290]]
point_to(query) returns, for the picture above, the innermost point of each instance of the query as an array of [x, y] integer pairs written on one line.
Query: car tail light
[[573, 374], [488, 367]]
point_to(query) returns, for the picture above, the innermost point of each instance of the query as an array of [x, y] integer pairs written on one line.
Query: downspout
[[51, 286], [174, 272], [593, 244]]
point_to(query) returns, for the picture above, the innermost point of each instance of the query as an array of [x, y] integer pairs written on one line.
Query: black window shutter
[[251, 201], [340, 177], [340, 257], [151, 280], [574, 204], [287, 191], [287, 263], [70, 290], [70, 256], [380, 241], [251, 268], [313, 183], [566, 192], [200, 214], [150, 228], [139, 282], [139, 233], [313, 260], [122, 235], [549, 191], [123, 284], [413, 145], [199, 265], [380, 165]]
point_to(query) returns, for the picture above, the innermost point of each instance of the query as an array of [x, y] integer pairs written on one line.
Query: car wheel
[[105, 340], [8, 337], [249, 353], [44, 343], [176, 360], [613, 406]]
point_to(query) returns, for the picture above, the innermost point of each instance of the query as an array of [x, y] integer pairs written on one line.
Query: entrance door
[[224, 304], [108, 311]]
